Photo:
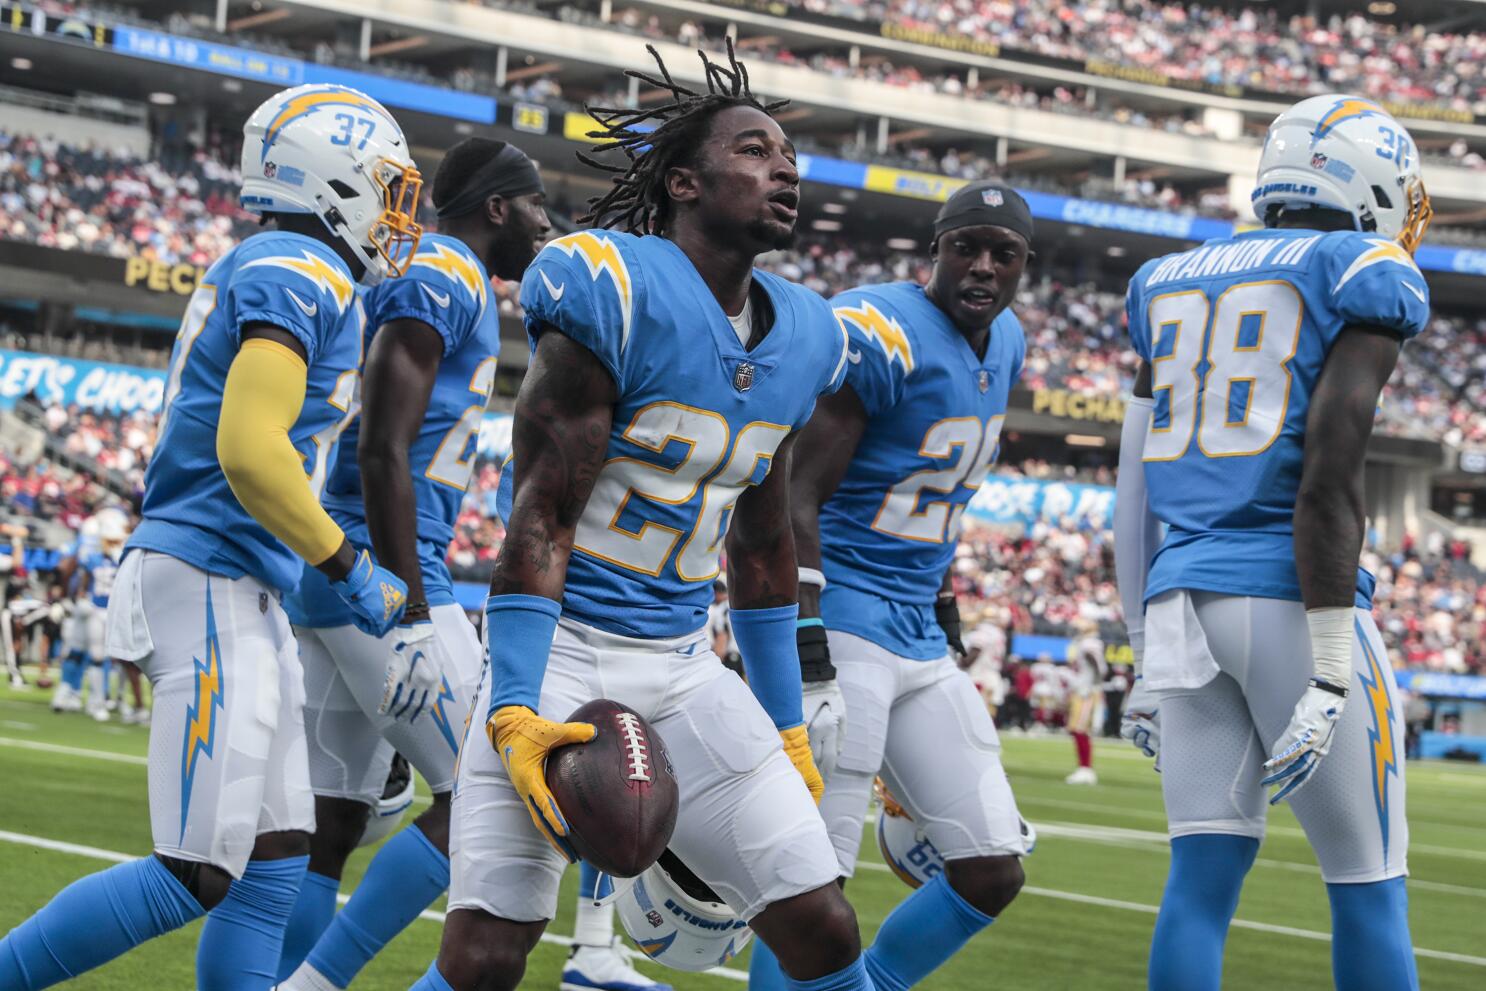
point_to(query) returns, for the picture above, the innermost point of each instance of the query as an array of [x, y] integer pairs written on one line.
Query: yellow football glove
[[797, 749], [523, 739]]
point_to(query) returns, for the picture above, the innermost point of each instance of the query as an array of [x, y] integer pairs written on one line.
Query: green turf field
[[75, 796]]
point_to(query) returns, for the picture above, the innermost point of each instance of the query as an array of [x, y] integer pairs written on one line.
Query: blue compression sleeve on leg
[[1371, 949], [313, 910], [403, 879], [926, 929], [432, 980], [93, 920], [1207, 872], [592, 885], [519, 630], [72, 671], [771, 659], [852, 977], [244, 936], [764, 973]]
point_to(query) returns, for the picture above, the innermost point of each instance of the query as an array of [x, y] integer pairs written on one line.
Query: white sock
[[96, 697], [307, 978], [595, 924]]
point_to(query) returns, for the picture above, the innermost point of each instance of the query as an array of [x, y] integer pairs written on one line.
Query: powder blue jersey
[[445, 287], [301, 286], [934, 416], [697, 420], [1236, 333], [100, 567]]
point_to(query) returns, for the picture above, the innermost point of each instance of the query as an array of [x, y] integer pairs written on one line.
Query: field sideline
[[75, 798]]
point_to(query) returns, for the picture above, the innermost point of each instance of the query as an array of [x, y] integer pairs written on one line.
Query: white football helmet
[[397, 796], [1345, 153], [907, 849], [338, 154], [675, 919], [113, 527]]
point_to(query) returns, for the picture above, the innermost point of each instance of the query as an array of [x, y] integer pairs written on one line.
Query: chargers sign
[[89, 385]]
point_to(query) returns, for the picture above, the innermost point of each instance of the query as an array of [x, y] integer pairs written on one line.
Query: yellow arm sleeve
[[261, 402]]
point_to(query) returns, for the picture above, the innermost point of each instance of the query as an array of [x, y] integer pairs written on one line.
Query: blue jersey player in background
[[1262, 359], [879, 482], [262, 380], [432, 339], [668, 378]]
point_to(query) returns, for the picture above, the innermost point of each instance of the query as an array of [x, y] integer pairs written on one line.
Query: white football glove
[[825, 720], [413, 671], [1305, 741], [1140, 722]]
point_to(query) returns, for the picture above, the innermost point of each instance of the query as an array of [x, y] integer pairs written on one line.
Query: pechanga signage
[[1099, 407], [157, 276]]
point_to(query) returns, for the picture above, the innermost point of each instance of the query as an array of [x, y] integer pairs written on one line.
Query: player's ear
[[681, 183], [934, 249], [497, 210]]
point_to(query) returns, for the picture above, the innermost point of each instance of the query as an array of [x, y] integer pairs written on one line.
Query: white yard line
[[1152, 840], [57, 748], [95, 853], [113, 856]]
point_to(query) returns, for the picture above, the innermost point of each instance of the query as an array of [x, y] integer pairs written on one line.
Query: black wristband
[[1327, 686], [815, 654]]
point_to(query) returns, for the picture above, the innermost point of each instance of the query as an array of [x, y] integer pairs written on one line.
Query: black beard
[[770, 233]]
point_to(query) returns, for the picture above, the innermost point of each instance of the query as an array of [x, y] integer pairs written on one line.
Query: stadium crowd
[[1251, 47], [1049, 577], [111, 202], [108, 201]]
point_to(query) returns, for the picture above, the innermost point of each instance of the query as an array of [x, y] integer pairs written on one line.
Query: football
[[617, 792]]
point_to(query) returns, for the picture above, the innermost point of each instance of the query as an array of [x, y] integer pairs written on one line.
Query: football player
[[1085, 669], [667, 379], [878, 484], [1262, 359], [262, 380], [96, 570], [432, 340]]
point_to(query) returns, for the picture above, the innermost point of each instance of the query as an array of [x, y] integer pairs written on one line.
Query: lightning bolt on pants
[[227, 748], [1215, 737]]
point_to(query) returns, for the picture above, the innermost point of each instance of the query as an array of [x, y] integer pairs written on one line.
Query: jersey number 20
[[1236, 406], [708, 445]]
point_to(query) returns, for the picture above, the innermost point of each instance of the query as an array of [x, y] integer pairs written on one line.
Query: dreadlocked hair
[[637, 201]]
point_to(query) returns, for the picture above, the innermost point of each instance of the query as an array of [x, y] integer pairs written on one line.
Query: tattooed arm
[[559, 436], [760, 541]]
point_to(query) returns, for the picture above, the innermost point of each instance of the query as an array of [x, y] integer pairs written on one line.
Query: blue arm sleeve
[[519, 630], [766, 639]]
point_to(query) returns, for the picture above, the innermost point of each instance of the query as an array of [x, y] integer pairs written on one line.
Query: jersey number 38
[[1220, 370]]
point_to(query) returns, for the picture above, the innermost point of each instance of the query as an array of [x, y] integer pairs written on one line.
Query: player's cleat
[[605, 968], [66, 699], [99, 713], [1082, 776]]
